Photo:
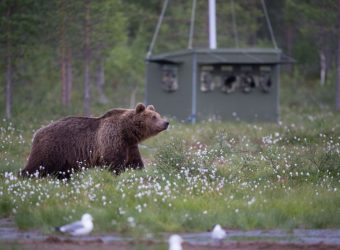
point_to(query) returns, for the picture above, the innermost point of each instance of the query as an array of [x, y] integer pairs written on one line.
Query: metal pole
[[159, 23], [192, 24], [146, 82], [212, 24], [194, 84], [277, 75], [269, 24], [234, 23]]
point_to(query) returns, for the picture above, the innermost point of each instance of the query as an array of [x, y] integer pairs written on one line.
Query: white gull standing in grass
[[175, 242], [218, 234], [78, 228]]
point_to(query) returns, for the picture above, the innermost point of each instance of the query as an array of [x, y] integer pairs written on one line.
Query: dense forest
[[72, 56]]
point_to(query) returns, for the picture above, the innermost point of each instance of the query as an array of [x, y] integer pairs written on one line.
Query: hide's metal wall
[[213, 101]]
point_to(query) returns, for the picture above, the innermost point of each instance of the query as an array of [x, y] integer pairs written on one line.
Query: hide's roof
[[221, 56]]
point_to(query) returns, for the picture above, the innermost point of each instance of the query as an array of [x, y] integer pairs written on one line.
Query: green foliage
[[302, 54], [314, 24], [241, 31], [171, 156], [240, 175], [37, 32]]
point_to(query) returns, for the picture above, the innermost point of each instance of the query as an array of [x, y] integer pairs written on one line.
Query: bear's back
[[69, 128], [115, 113], [79, 123]]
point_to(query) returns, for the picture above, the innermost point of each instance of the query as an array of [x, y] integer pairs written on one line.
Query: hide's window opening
[[169, 78], [230, 78]]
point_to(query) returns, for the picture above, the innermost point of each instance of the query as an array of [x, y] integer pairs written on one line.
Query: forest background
[[81, 57]]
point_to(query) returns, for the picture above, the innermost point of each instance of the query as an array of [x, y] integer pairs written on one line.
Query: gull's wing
[[69, 228]]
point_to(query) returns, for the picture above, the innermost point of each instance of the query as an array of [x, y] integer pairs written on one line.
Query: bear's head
[[149, 121]]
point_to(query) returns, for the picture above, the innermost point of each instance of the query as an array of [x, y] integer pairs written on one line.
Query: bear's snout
[[161, 126], [166, 125]]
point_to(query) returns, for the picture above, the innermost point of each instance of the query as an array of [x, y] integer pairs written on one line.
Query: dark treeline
[[57, 52]]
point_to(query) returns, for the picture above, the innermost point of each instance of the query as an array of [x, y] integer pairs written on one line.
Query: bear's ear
[[140, 108], [151, 107]]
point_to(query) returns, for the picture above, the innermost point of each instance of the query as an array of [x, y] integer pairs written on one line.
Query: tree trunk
[[323, 68], [62, 55], [63, 80], [338, 79], [8, 91], [133, 98], [87, 58], [289, 34], [338, 64], [101, 82], [69, 76], [8, 88]]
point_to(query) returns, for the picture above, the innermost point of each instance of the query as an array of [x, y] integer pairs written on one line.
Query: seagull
[[78, 228], [175, 242], [218, 233]]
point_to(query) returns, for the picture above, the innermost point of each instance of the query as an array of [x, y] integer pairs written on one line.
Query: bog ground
[[243, 176]]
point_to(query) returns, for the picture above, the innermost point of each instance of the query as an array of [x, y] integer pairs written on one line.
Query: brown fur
[[110, 140]]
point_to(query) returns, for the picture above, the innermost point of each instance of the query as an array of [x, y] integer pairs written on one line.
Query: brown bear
[[111, 140]]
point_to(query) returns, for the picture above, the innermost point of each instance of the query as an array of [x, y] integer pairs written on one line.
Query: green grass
[[239, 175]]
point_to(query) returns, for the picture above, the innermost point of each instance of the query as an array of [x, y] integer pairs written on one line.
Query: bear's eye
[[154, 117]]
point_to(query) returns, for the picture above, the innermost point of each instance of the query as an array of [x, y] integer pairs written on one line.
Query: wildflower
[[251, 202], [131, 221]]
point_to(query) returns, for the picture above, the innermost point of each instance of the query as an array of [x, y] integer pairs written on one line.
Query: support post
[[212, 24], [277, 76], [194, 85]]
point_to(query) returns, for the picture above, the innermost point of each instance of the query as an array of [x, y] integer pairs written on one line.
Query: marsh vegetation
[[240, 175]]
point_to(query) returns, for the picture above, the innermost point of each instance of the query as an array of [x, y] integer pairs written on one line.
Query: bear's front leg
[[134, 159], [115, 160]]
